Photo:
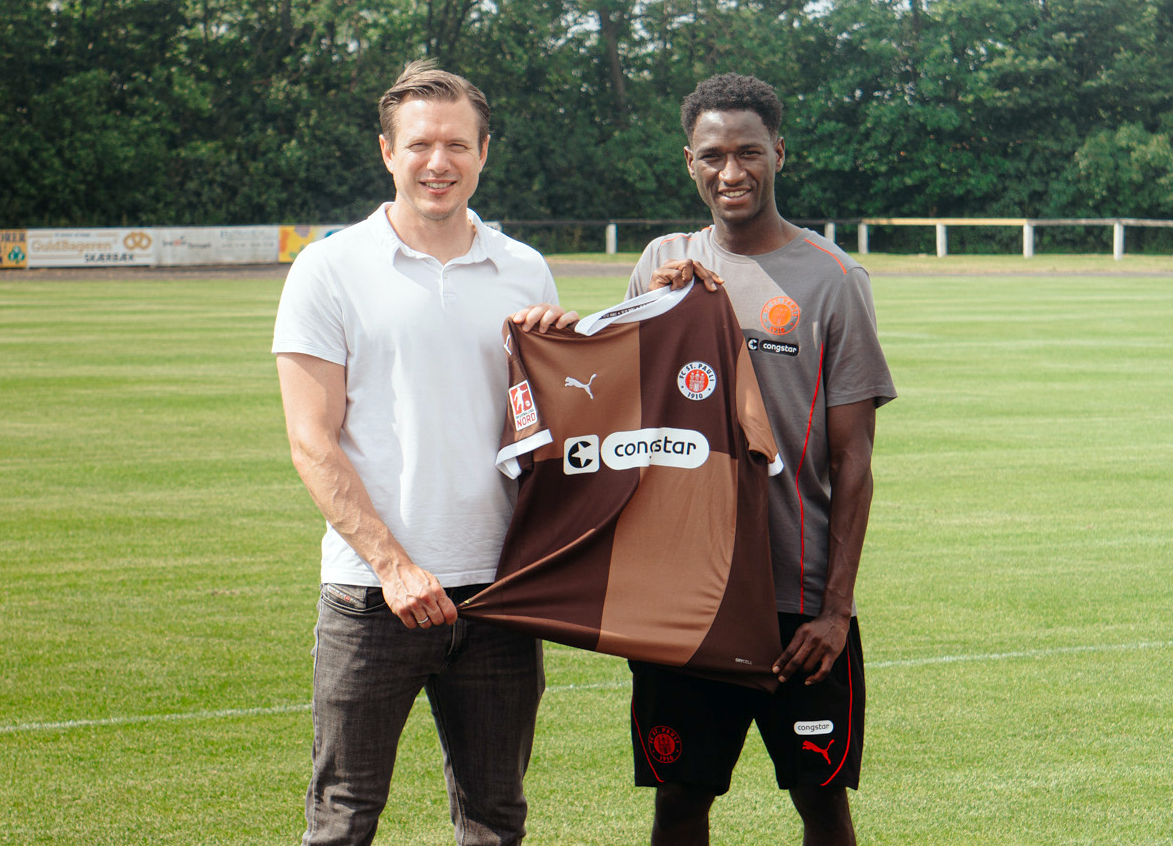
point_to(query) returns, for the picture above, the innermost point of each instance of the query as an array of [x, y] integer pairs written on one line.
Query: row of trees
[[263, 111]]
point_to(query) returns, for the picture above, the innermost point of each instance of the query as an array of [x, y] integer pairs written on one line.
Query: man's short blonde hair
[[422, 80]]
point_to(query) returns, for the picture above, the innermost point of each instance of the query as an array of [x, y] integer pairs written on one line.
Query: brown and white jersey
[[643, 449]]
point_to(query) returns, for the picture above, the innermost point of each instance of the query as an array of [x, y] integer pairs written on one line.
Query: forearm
[[851, 499], [816, 645], [851, 433], [313, 392], [335, 487]]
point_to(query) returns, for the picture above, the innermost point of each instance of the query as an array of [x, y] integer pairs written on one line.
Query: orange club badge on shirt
[[780, 315]]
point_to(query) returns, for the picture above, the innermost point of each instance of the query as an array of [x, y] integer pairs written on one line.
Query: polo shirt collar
[[477, 253]]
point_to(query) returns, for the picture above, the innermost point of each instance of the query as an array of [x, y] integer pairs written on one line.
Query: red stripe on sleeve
[[828, 252]]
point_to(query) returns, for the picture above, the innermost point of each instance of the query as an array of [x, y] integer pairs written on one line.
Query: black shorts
[[691, 730]]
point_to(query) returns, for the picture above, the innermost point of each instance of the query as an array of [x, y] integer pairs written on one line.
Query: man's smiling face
[[733, 159], [435, 156]]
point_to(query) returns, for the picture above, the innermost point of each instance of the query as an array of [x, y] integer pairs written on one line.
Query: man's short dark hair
[[424, 81], [728, 92]]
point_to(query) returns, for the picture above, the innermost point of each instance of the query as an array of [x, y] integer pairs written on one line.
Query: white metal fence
[[941, 225], [1028, 225]]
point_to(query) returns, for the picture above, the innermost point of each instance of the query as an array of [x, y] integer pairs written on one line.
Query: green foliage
[[233, 112], [1129, 169]]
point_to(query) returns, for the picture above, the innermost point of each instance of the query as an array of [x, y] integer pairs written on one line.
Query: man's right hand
[[417, 599], [543, 316], [679, 272]]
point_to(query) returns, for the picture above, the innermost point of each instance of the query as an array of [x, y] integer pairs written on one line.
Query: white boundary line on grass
[[562, 688], [1025, 653], [156, 718]]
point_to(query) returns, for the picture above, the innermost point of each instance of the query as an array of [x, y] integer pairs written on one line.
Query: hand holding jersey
[[678, 273], [543, 316], [416, 597]]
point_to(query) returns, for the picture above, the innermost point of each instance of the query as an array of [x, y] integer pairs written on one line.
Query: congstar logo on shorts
[[814, 727]]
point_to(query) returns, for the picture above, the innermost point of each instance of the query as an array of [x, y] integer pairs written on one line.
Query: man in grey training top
[[805, 309]]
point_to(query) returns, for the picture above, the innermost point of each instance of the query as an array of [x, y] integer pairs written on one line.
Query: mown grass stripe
[[273, 710]]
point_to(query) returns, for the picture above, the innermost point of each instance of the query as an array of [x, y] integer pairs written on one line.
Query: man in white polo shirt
[[393, 380]]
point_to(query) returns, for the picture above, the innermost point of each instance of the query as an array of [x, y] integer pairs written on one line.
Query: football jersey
[[643, 450]]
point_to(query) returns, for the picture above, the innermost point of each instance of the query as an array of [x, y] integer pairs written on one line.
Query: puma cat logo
[[826, 753], [571, 382]]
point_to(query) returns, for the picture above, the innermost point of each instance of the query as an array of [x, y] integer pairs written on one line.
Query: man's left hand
[[676, 273], [543, 316], [813, 649]]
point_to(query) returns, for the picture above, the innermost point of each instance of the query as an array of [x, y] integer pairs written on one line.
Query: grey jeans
[[483, 683]]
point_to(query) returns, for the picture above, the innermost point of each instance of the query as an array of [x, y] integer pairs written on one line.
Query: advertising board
[[14, 250], [295, 238], [208, 245], [92, 248]]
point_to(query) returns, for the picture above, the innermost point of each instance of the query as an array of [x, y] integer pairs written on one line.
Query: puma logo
[[826, 753], [571, 382]]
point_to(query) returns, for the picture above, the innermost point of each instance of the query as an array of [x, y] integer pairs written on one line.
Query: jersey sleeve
[[550, 290], [854, 365], [641, 276], [524, 429], [309, 314]]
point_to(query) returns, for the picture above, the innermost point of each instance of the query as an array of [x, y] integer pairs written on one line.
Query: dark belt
[[459, 594]]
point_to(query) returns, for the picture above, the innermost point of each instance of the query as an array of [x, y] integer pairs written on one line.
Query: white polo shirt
[[426, 384]]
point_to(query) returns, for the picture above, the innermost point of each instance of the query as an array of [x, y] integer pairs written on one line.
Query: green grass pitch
[[159, 577]]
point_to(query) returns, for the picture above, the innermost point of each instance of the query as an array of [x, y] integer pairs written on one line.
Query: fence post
[[863, 239], [1028, 240], [829, 231], [612, 239], [942, 241], [1118, 240]]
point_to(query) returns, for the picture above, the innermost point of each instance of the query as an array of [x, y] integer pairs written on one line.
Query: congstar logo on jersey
[[580, 455], [663, 447], [775, 347]]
